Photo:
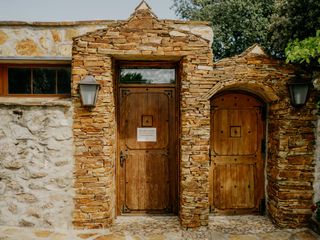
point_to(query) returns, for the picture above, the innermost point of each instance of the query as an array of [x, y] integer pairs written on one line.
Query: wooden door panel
[[147, 176], [233, 186], [235, 131], [156, 182], [147, 104], [132, 180], [147, 189], [237, 169]]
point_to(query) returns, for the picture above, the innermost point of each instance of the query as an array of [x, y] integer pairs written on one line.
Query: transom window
[[147, 72], [36, 80], [147, 76]]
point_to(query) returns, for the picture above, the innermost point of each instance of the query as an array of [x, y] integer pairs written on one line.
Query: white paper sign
[[146, 134]]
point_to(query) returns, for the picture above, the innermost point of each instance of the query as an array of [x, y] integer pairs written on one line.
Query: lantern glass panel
[[299, 93], [88, 94]]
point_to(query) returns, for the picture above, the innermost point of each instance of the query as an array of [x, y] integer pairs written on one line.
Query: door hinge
[[262, 206], [263, 112], [168, 92], [125, 209], [122, 158], [209, 157], [125, 92], [263, 146]]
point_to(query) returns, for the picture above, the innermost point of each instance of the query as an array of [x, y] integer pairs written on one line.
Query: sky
[[73, 10]]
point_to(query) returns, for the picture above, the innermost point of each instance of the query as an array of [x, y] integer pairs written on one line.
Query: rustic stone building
[[171, 132]]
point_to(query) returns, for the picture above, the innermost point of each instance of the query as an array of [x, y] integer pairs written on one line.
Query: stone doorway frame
[[261, 91], [161, 63]]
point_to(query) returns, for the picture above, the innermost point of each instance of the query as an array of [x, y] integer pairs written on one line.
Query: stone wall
[[42, 39], [36, 163], [54, 39], [291, 137], [36, 145], [142, 37]]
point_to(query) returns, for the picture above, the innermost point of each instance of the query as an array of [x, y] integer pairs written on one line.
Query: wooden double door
[[146, 168], [237, 154]]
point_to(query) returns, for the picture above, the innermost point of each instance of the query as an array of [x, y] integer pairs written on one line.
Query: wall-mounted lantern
[[89, 89], [299, 89]]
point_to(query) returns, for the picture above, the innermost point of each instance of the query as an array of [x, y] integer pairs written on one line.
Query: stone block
[[3, 37], [28, 47]]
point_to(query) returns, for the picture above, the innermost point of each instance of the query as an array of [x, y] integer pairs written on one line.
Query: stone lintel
[[41, 102], [37, 59]]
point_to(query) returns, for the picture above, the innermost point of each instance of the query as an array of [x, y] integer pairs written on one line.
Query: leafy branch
[[304, 51]]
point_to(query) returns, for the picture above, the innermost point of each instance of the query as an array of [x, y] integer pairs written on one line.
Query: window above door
[[147, 76], [147, 73]]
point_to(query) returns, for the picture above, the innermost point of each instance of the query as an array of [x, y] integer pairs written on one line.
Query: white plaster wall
[[36, 165], [316, 183], [49, 41]]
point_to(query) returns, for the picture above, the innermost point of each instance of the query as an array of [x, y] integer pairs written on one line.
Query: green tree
[[292, 19], [237, 24]]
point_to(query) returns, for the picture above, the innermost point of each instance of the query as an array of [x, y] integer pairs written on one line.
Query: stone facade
[[142, 37], [54, 39], [36, 164], [57, 159]]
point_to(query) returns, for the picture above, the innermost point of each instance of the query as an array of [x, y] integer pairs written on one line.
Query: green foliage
[[304, 51], [131, 78], [292, 19], [237, 24]]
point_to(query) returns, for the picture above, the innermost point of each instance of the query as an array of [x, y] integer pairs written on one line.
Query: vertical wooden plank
[[219, 193], [216, 187], [242, 186], [143, 189], [235, 141], [252, 186], [216, 132], [132, 186], [224, 132], [229, 186], [223, 183]]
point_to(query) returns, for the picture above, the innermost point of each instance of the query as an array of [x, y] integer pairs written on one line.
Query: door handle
[[122, 158]]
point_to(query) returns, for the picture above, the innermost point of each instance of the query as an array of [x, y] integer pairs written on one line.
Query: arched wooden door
[[237, 149]]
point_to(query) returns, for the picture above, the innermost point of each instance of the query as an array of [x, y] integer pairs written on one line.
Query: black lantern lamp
[[89, 89], [299, 89]]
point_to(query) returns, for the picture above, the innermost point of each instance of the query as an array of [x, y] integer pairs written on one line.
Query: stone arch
[[266, 93]]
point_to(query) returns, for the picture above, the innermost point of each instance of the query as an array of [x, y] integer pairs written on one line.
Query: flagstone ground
[[168, 228]]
